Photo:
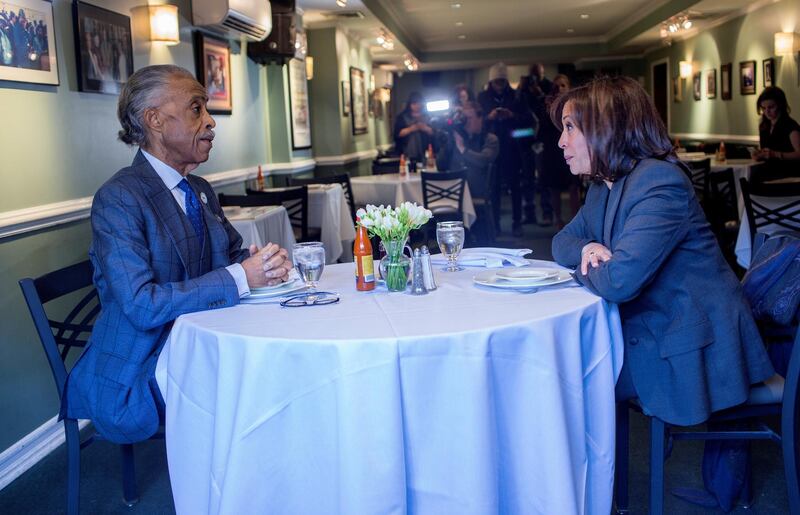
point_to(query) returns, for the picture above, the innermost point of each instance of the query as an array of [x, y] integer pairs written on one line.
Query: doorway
[[659, 81]]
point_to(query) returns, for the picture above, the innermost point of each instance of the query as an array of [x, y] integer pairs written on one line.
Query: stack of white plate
[[522, 278], [266, 293]]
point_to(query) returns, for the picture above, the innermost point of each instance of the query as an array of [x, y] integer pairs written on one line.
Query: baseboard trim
[[730, 138], [34, 447]]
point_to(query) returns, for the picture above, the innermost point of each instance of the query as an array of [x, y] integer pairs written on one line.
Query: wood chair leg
[[130, 495], [73, 465], [657, 456], [621, 460]]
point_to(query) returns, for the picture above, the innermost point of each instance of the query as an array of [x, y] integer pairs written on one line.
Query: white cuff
[[237, 272]]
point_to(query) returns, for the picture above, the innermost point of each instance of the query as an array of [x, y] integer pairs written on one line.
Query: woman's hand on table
[[592, 254]]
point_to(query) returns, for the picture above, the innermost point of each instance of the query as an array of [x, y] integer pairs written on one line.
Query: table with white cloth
[[392, 189], [464, 401], [261, 225], [328, 210]]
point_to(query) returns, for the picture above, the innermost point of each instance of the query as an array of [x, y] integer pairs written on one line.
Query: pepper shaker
[[427, 269], [418, 279]]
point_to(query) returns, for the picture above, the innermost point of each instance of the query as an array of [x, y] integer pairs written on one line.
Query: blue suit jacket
[[690, 339], [148, 271]]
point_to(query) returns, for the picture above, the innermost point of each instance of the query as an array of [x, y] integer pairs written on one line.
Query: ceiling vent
[[249, 18], [344, 15]]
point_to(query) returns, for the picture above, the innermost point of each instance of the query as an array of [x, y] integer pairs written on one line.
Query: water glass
[[309, 259], [450, 237]]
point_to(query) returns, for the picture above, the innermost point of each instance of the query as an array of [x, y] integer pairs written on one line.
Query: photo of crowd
[[105, 52], [23, 38]]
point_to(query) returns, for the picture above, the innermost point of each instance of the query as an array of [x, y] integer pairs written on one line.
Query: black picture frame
[[40, 66], [212, 58], [711, 83], [359, 107], [726, 81], [697, 82], [103, 48], [747, 77], [299, 110], [768, 72]]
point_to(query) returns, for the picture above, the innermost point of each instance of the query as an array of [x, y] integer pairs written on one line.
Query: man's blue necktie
[[193, 210]]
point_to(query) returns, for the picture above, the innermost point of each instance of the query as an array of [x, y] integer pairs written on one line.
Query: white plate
[[527, 274], [490, 278], [284, 289]]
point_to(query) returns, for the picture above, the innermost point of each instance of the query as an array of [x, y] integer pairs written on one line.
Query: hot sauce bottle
[[362, 254]]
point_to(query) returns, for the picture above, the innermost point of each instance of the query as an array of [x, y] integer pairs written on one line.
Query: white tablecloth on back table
[[261, 225], [392, 190], [464, 401]]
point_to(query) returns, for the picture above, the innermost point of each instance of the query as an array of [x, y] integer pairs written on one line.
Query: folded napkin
[[487, 257]]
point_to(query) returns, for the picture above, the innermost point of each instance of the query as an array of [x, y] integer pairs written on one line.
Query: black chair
[[342, 179], [58, 339], [786, 405], [481, 183], [723, 211], [699, 172], [295, 200], [786, 215], [443, 194], [383, 165]]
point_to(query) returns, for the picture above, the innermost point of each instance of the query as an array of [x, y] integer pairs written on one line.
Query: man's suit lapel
[[614, 196], [168, 212]]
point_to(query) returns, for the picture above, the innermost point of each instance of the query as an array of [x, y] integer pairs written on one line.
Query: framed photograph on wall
[[711, 83], [768, 71], [345, 98], [298, 102], [747, 77], [677, 90], [213, 62], [725, 81], [103, 48], [358, 101], [696, 85], [32, 56]]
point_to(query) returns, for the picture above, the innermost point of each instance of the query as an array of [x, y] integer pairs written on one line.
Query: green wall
[[748, 37], [58, 144]]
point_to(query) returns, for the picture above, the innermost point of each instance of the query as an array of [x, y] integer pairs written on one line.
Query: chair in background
[[295, 200], [700, 170], [764, 402], [443, 195], [723, 212], [342, 179], [58, 338], [481, 183], [783, 213]]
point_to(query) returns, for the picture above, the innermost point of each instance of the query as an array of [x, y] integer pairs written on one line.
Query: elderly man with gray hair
[[161, 247]]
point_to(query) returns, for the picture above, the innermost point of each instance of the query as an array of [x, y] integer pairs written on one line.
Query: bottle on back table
[[362, 254]]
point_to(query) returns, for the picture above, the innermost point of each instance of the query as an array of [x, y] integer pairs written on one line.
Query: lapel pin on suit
[[203, 198]]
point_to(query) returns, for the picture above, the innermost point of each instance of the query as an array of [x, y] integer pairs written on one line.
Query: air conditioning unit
[[249, 18]]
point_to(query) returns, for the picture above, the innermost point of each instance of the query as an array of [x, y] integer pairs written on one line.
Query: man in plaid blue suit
[[161, 247]]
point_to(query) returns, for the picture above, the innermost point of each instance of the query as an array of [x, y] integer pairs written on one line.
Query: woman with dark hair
[[641, 240], [412, 133], [778, 134], [461, 95]]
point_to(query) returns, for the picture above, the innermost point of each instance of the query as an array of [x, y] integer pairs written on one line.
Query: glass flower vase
[[395, 266]]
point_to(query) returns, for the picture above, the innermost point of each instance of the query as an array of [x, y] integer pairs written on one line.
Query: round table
[[467, 400]]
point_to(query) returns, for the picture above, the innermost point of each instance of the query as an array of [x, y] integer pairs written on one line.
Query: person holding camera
[[412, 130]]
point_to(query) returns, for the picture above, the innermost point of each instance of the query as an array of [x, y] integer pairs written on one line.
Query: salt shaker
[[427, 269], [418, 279]]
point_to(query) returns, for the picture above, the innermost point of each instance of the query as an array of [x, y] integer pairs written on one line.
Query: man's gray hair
[[140, 93]]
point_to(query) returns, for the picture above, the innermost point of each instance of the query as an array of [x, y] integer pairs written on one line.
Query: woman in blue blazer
[[642, 241]]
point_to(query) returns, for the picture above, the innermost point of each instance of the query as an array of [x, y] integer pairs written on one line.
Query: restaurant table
[[464, 401], [328, 210], [261, 225], [392, 190]]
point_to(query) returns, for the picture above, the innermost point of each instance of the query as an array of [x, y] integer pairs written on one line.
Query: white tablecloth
[[328, 211], [261, 225], [464, 401], [391, 189]]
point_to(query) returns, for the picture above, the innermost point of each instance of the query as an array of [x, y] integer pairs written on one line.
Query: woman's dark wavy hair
[[620, 124], [777, 95]]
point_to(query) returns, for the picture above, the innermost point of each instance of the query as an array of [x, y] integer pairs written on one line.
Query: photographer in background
[[412, 130], [469, 147]]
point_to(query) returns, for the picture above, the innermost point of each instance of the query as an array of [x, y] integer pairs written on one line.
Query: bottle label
[[367, 268]]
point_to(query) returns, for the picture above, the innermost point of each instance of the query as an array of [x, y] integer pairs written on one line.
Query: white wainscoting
[[728, 138]]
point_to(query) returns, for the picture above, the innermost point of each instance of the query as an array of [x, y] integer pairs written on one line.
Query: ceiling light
[[381, 40], [455, 6], [584, 16], [341, 3], [687, 24], [462, 36], [570, 30], [459, 23]]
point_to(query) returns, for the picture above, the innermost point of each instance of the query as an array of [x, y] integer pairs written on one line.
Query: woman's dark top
[[778, 139], [415, 144]]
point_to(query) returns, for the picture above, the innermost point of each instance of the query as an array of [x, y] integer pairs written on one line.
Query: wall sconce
[[786, 43], [685, 69], [158, 23], [309, 67]]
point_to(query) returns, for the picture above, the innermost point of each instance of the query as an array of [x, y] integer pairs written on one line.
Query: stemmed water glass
[[450, 237], [309, 258]]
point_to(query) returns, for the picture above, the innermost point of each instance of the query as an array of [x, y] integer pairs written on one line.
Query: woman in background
[[778, 135], [412, 133]]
